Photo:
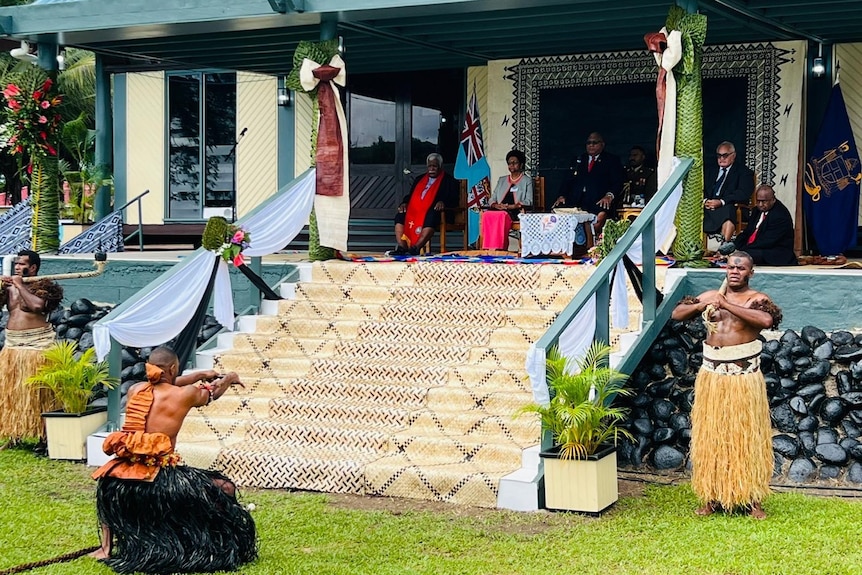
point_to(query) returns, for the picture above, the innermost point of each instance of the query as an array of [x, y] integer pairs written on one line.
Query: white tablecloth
[[550, 233]]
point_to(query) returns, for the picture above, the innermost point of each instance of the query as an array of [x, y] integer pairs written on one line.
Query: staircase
[[376, 235], [394, 379]]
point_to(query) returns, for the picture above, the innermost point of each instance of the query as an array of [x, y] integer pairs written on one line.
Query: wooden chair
[[453, 219], [743, 211]]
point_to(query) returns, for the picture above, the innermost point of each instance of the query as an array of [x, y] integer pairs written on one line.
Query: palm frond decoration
[[320, 52], [44, 186]]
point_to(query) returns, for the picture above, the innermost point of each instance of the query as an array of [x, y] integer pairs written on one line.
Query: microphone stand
[[231, 155]]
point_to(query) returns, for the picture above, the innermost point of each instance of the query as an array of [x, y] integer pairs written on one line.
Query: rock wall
[[814, 385]]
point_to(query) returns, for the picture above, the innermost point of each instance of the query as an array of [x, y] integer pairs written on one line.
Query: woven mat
[[397, 380]]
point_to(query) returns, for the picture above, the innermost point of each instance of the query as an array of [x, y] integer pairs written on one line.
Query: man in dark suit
[[596, 182], [729, 183], [768, 238]]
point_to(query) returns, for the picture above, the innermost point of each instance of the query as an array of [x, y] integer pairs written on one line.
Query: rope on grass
[[60, 559]]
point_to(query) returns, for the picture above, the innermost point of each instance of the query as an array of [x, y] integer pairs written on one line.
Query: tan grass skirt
[[21, 405], [731, 444]]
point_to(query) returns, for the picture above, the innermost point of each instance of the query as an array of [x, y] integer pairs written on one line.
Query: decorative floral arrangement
[[33, 120], [236, 241], [612, 231], [226, 240]]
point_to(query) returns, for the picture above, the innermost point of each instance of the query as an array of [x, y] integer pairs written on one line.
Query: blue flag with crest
[[831, 180]]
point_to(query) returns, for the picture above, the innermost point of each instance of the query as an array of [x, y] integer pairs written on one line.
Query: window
[[201, 147]]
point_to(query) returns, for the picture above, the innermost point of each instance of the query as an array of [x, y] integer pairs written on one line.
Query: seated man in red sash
[[166, 517], [419, 213]]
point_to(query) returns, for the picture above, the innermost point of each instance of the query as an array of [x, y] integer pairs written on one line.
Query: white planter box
[[67, 432], [586, 485]]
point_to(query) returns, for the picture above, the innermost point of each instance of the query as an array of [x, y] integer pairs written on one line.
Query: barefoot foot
[[757, 511], [99, 553], [707, 509]]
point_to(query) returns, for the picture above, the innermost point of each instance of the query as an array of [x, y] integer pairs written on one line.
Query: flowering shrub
[[33, 119], [236, 240]]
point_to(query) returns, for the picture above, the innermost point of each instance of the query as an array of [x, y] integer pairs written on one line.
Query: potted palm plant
[[72, 377], [581, 467]]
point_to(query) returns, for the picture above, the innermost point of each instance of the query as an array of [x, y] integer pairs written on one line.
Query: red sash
[[418, 206]]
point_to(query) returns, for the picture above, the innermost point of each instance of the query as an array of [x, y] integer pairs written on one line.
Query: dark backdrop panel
[[625, 115]]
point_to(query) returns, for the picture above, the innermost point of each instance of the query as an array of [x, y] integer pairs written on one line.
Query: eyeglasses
[[726, 155], [593, 142]]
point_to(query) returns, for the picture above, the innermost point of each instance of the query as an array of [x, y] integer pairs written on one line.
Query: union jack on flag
[[471, 136]]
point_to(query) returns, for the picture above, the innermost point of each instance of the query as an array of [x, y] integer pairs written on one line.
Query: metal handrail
[[599, 282], [140, 231]]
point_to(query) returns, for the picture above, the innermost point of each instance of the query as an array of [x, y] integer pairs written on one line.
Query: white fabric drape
[[667, 60], [161, 314], [573, 343], [332, 212], [664, 233]]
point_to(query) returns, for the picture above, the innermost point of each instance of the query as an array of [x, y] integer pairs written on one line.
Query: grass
[[48, 509]]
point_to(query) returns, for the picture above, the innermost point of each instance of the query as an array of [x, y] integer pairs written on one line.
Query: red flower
[[47, 85], [37, 95], [43, 135], [11, 91], [51, 149]]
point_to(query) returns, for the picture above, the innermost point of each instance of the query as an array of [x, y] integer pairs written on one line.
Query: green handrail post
[[648, 254], [115, 367]]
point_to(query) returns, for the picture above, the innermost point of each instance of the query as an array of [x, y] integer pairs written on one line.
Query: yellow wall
[[257, 160], [145, 145], [257, 153], [302, 141]]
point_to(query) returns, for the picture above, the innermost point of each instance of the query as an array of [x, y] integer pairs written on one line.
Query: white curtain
[[160, 314], [163, 313], [664, 233], [573, 343]]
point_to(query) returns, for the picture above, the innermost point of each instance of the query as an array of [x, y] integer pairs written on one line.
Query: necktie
[[590, 165], [716, 190], [757, 227]]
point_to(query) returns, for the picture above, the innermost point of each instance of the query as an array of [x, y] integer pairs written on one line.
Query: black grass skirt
[[181, 522]]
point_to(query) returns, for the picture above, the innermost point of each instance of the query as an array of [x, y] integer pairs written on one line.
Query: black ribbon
[[258, 282]]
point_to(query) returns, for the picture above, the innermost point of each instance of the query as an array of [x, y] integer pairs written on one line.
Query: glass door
[[396, 120]]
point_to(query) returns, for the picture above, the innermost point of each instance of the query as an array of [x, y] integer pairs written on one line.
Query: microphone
[[244, 130]]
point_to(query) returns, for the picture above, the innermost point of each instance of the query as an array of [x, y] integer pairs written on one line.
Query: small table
[[553, 233], [630, 212]]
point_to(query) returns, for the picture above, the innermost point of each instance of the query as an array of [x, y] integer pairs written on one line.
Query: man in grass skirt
[[28, 334], [731, 442], [165, 517]]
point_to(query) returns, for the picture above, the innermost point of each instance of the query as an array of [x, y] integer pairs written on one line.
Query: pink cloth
[[495, 230]]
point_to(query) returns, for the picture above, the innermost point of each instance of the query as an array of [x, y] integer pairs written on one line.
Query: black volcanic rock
[[808, 423], [797, 404], [826, 435], [816, 373], [840, 338], [813, 336], [831, 453], [844, 381], [786, 445], [667, 457], [810, 390], [824, 350], [801, 470], [783, 418], [848, 353], [833, 410]]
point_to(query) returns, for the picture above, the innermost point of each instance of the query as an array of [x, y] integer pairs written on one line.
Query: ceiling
[[400, 35]]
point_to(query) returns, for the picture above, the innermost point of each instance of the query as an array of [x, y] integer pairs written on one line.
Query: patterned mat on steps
[[398, 380]]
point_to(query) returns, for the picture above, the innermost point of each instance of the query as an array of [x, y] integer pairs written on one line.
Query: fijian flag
[[471, 165], [832, 177]]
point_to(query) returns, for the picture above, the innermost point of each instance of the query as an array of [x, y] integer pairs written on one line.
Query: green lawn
[[47, 510]]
